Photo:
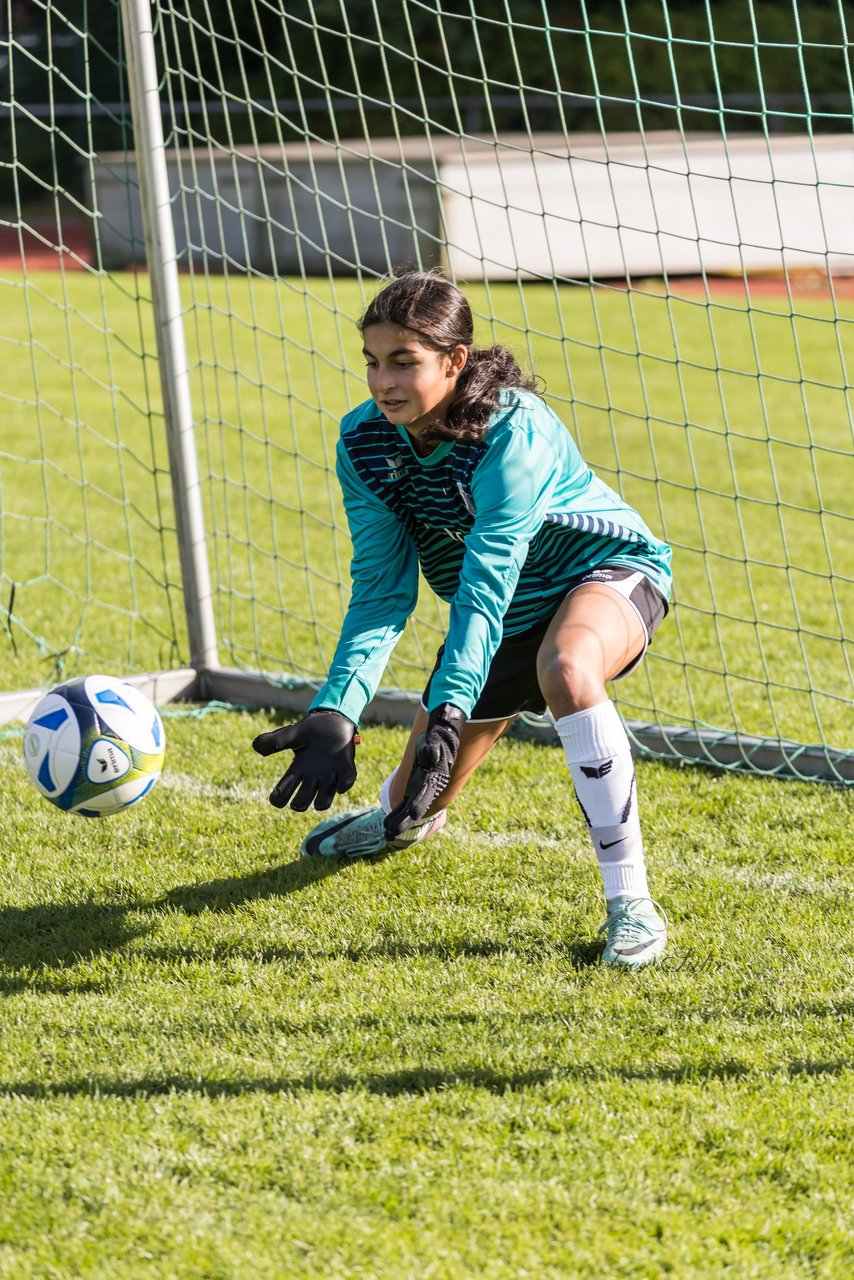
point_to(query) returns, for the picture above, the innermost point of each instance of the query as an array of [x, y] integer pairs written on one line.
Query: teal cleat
[[360, 833], [636, 933]]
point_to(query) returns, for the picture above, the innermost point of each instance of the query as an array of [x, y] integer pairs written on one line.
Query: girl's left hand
[[435, 753]]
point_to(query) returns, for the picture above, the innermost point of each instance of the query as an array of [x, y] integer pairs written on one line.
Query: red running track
[[35, 248]]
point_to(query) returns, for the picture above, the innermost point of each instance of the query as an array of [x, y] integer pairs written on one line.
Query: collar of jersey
[[443, 448]]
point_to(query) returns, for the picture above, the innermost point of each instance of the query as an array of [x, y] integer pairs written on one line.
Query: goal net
[[649, 204]]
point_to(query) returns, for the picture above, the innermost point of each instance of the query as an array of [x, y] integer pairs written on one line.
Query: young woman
[[556, 586]]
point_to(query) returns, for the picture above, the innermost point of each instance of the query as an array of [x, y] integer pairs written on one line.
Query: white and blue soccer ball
[[94, 746]]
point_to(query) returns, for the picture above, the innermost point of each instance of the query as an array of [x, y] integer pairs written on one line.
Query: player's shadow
[[37, 943], [232, 891], [410, 1081], [220, 896], [40, 943], [580, 955]]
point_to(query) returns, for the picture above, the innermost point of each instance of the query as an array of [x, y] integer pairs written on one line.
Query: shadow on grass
[[577, 955], [233, 891], [416, 1081], [59, 935]]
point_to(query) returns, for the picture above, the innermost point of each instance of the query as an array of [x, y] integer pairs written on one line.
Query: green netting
[[650, 203], [87, 554]]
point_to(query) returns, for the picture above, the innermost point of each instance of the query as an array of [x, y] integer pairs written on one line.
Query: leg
[[360, 834], [477, 740], [594, 636]]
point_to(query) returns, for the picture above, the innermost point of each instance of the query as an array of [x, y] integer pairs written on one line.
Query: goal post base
[[681, 744], [159, 686], [676, 744], [292, 693], [684, 744]]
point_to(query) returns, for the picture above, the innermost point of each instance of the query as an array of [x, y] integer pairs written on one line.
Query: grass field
[[221, 1062]]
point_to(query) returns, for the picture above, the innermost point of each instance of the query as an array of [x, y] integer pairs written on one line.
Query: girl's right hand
[[324, 764]]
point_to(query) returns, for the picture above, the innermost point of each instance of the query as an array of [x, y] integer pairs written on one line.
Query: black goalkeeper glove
[[435, 753], [324, 763]]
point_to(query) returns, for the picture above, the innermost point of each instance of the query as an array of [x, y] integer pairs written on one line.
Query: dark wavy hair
[[435, 309]]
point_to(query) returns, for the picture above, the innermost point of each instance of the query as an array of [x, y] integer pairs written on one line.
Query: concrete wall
[[291, 210], [644, 206]]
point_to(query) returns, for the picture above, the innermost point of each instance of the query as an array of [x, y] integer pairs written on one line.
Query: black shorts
[[512, 686]]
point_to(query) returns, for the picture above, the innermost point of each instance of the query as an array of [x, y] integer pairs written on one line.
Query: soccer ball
[[94, 746]]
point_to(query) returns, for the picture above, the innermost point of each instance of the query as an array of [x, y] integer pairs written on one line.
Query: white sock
[[387, 806], [385, 792], [600, 761]]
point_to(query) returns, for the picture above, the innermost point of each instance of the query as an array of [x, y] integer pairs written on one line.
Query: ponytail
[[488, 372]]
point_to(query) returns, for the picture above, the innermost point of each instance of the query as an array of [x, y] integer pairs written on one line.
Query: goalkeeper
[[555, 586]]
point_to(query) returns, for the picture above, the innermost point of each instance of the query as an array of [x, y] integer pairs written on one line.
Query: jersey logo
[[395, 467], [456, 534]]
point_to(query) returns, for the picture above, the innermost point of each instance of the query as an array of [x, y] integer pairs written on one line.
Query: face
[[412, 384]]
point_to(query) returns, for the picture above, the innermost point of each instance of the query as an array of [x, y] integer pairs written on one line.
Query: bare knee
[[569, 683]]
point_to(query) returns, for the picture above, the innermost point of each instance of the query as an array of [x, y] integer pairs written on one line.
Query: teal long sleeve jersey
[[499, 528]]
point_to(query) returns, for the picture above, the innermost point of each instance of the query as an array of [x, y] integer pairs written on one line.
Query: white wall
[[643, 207], [668, 206]]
